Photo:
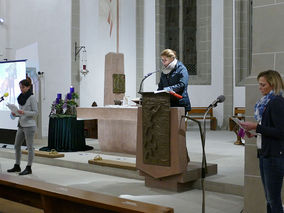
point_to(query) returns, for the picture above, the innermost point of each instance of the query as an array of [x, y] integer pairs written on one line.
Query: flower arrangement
[[66, 107]]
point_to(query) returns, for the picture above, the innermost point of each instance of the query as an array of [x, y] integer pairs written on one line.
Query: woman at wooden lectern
[[26, 125], [174, 78]]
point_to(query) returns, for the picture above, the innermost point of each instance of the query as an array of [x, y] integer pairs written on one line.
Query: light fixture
[[84, 71], [2, 21]]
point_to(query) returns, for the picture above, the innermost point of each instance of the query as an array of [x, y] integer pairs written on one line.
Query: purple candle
[[59, 96], [57, 100], [72, 89], [69, 96]]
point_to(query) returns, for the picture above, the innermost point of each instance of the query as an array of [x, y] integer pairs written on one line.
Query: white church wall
[[149, 46], [238, 91], [127, 44], [96, 36], [48, 25], [30, 52], [239, 96]]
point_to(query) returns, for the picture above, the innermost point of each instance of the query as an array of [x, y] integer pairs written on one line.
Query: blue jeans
[[272, 171]]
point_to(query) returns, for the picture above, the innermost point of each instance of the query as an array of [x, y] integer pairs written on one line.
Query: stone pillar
[[254, 200], [228, 62], [267, 53], [114, 64], [75, 37]]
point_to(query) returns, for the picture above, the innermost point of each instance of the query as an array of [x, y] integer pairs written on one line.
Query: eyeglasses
[[164, 60]]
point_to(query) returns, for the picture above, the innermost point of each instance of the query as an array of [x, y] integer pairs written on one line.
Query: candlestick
[[59, 96], [69, 96], [72, 89]]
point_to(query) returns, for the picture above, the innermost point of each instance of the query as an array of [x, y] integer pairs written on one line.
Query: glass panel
[[185, 26]]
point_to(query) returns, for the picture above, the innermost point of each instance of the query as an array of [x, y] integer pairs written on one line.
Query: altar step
[[213, 183], [181, 182]]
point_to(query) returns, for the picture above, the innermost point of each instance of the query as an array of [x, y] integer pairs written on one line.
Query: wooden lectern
[[161, 154]]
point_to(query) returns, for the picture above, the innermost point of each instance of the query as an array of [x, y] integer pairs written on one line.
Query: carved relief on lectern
[[156, 129]]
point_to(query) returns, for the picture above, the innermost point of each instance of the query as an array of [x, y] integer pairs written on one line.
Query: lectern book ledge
[[44, 154]]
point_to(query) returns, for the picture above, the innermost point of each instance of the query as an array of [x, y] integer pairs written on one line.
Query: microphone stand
[[204, 163], [146, 76], [1, 99], [140, 88]]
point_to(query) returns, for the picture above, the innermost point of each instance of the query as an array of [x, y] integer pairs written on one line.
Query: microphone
[[4, 96], [220, 99]]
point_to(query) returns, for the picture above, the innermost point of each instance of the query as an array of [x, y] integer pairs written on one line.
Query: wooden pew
[[54, 198], [198, 113]]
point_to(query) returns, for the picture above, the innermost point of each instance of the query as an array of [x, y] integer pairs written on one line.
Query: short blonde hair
[[274, 79], [169, 53]]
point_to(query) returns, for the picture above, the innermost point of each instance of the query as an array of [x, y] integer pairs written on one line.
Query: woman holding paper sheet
[[174, 78], [26, 126], [269, 113]]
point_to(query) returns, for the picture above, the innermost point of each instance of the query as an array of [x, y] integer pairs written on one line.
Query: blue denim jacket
[[177, 80]]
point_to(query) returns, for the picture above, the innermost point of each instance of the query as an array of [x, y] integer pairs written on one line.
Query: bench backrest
[[239, 110], [200, 111]]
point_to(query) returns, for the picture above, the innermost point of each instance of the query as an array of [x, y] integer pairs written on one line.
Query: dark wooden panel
[[20, 196], [55, 198], [91, 128], [7, 136]]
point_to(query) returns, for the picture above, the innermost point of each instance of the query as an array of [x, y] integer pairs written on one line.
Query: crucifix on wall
[[109, 11]]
